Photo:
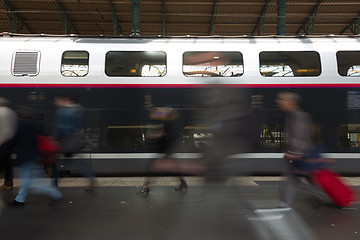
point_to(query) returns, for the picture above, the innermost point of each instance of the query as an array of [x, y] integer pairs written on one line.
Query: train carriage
[[116, 79]]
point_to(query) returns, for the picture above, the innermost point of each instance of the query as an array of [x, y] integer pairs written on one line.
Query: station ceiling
[[179, 17]]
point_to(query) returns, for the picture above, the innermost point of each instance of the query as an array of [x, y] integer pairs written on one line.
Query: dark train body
[[117, 79]]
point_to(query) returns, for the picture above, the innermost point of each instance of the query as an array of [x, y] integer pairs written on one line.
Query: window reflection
[[135, 64], [348, 63], [75, 63], [213, 64], [289, 63]]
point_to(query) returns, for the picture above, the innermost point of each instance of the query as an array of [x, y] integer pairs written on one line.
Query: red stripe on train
[[48, 85]]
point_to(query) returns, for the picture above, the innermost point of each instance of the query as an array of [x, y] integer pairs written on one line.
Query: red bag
[[47, 148], [330, 182]]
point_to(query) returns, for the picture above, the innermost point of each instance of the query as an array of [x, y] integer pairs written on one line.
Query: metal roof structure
[[181, 17]]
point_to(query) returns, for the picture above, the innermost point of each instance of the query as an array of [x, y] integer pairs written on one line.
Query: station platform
[[241, 208]]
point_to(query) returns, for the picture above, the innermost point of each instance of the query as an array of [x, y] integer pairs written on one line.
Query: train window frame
[[21, 60], [133, 71], [342, 63], [302, 71], [71, 71], [212, 58]]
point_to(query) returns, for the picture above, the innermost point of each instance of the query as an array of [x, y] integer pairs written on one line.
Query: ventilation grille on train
[[26, 63]]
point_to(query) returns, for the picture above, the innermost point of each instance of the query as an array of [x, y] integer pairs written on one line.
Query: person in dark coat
[[28, 158]]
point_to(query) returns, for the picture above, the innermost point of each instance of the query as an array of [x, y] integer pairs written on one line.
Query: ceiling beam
[[308, 25], [354, 26], [209, 2], [66, 20], [245, 15], [115, 18], [212, 22], [16, 21], [260, 23]]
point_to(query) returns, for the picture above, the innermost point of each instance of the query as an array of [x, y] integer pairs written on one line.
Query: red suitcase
[[330, 182]]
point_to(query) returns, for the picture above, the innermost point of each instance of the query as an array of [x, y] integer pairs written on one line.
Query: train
[[116, 79]]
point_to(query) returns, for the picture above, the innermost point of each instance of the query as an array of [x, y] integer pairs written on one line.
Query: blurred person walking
[[28, 159], [164, 134], [300, 147], [69, 132], [7, 131], [234, 125]]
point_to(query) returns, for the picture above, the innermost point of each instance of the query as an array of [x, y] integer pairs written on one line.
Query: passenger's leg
[[41, 185], [91, 176], [26, 181], [287, 186], [56, 174], [183, 185], [314, 190], [8, 171]]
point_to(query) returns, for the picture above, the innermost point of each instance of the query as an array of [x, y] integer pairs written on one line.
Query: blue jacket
[[68, 120]]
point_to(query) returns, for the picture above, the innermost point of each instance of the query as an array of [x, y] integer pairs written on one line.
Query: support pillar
[[281, 17], [135, 28], [164, 18], [116, 25]]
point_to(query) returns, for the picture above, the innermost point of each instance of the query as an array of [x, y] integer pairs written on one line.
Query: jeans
[[33, 178]]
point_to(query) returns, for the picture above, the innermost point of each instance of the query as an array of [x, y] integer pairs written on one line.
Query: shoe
[[6, 187], [183, 186], [15, 203], [145, 189], [92, 186]]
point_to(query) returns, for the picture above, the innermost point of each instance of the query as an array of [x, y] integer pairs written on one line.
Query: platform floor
[[244, 208]]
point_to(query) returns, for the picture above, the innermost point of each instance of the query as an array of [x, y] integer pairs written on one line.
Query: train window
[[75, 63], [25, 63], [125, 136], [290, 63], [213, 64], [135, 64], [196, 137], [349, 135], [348, 63], [272, 136], [146, 137]]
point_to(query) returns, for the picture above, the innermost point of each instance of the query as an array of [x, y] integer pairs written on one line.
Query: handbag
[[48, 147]]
